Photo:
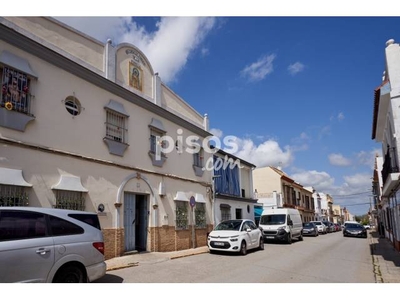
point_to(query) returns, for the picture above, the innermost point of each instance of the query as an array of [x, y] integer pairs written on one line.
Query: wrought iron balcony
[[390, 164]]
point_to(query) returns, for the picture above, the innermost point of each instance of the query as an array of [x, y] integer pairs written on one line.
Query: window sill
[[198, 171], [115, 147], [157, 162], [14, 120]]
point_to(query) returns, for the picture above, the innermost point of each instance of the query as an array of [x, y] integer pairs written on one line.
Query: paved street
[[328, 258]]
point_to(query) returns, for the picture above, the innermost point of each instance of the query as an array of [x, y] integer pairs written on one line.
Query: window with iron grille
[[116, 127], [70, 200], [11, 195], [154, 134], [181, 215], [225, 213], [198, 158], [200, 215], [15, 90]]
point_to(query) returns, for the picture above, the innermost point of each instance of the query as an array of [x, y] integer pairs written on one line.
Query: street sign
[[192, 201]]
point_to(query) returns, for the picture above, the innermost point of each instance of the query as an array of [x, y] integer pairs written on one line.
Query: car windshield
[[308, 225], [354, 226], [273, 219], [229, 225], [317, 223]]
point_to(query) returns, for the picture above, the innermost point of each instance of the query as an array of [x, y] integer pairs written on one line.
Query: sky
[[295, 87], [294, 81]]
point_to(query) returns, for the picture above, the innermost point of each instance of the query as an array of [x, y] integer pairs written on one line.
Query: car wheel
[[300, 237], [69, 274], [316, 234], [261, 246], [289, 239], [243, 248]]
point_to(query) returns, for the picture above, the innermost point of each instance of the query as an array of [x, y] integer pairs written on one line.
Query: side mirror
[[290, 223]]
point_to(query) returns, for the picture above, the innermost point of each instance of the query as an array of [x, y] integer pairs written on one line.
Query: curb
[[171, 257], [375, 262]]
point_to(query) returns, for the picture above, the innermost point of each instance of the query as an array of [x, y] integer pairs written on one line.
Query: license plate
[[269, 237], [218, 244], [305, 231]]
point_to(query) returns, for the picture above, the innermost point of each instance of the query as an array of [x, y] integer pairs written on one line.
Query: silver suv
[[50, 245]]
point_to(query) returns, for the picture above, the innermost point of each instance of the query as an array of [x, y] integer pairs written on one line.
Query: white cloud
[[205, 51], [319, 180], [216, 132], [368, 158], [340, 117], [168, 48], [265, 154], [259, 69], [358, 180], [337, 159], [295, 68], [325, 131]]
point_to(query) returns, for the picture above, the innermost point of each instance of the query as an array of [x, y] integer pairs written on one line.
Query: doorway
[[135, 221]]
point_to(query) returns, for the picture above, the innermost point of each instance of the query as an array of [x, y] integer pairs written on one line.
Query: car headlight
[[282, 228], [234, 238]]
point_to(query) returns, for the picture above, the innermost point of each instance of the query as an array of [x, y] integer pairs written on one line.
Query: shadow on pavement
[[109, 278], [385, 249]]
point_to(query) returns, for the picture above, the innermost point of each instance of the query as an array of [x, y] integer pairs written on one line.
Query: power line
[[357, 204], [350, 195]]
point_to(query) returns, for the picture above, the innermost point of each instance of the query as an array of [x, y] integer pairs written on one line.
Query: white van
[[281, 224]]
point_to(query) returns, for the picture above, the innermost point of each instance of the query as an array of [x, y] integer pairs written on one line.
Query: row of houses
[[91, 126], [274, 188], [385, 128]]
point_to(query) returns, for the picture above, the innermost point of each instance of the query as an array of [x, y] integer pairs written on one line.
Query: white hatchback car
[[50, 245], [235, 236], [321, 227]]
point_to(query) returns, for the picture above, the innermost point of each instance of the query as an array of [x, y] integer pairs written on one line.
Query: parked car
[[329, 226], [310, 229], [321, 227], [235, 236], [367, 226], [50, 245], [281, 224], [357, 230], [338, 227]]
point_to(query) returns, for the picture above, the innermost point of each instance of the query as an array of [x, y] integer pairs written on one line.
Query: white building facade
[[82, 125], [385, 128]]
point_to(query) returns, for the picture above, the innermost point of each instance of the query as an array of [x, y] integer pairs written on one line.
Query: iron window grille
[[11, 195], [153, 141], [70, 200], [72, 105], [200, 215], [116, 127], [181, 215], [15, 93], [225, 213], [198, 158]]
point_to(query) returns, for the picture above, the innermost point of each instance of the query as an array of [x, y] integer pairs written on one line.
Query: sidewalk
[[136, 259], [385, 258]]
